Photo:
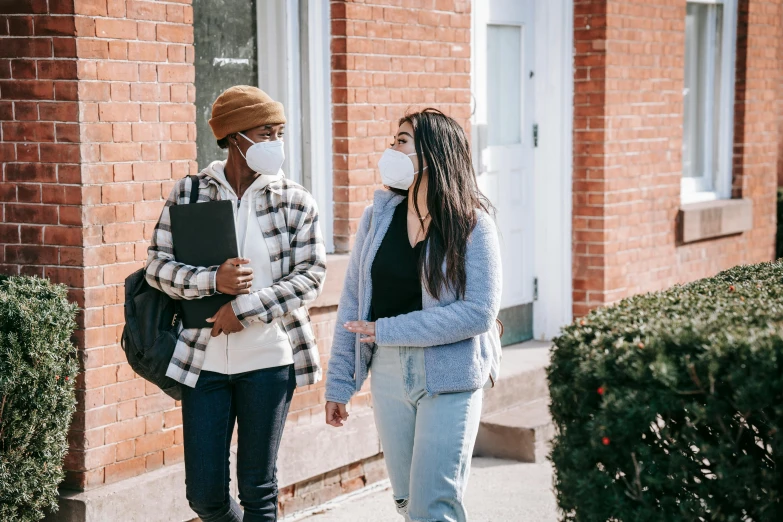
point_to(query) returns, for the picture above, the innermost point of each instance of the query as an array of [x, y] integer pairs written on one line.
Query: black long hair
[[453, 196]]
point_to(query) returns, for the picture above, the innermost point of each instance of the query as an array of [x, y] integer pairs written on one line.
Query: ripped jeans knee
[[402, 506]]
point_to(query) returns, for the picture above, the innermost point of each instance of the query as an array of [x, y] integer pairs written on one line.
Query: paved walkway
[[499, 491]]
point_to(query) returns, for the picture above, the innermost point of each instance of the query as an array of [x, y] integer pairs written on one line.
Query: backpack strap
[[193, 199], [193, 188]]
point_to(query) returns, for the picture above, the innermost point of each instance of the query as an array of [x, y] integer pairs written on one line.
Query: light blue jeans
[[427, 440]]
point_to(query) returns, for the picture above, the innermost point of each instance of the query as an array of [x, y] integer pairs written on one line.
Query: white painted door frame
[[554, 166], [292, 33], [553, 159]]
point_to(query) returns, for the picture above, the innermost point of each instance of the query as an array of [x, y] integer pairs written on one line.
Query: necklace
[[421, 221]]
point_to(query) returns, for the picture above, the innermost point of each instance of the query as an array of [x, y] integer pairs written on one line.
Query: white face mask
[[265, 157], [397, 169]]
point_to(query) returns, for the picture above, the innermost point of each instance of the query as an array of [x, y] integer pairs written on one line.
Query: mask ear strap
[[420, 170], [240, 150], [248, 139]]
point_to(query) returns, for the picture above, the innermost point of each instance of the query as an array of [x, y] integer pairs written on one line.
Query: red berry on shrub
[[600, 390], [731, 288], [641, 345], [67, 378], [56, 377], [583, 323], [605, 441]]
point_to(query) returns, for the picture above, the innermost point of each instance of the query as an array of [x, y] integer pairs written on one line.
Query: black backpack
[[151, 324]]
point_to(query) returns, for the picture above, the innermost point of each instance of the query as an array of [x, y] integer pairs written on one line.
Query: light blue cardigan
[[459, 337]]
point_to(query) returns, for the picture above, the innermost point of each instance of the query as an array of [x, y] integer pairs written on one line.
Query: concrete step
[[522, 377], [519, 433]]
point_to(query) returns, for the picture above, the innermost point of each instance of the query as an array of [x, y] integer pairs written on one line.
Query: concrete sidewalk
[[499, 491]]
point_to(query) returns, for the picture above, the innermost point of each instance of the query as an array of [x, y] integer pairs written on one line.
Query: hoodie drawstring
[[249, 206]]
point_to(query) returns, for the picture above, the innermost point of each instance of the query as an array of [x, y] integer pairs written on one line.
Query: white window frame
[[707, 187], [292, 34]]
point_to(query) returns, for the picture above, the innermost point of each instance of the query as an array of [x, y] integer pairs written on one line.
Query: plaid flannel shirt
[[289, 219]]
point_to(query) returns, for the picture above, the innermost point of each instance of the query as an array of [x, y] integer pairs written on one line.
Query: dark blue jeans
[[258, 401]]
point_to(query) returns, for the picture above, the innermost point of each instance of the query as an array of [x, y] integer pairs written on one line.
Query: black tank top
[[396, 284]]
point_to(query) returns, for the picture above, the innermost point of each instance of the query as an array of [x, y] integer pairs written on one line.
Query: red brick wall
[[40, 220], [326, 487], [42, 193], [628, 114], [589, 184], [389, 58], [136, 98]]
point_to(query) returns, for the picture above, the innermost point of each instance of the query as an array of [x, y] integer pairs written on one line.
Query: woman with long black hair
[[419, 310]]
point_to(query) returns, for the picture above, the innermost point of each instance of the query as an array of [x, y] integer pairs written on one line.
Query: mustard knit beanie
[[244, 107]]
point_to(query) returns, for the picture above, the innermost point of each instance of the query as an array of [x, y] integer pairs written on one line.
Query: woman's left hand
[[365, 328]]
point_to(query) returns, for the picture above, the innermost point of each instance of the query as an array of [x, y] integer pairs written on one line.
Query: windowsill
[[716, 218], [689, 197], [336, 266]]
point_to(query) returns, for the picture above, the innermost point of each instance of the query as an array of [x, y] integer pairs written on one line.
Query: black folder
[[203, 235]]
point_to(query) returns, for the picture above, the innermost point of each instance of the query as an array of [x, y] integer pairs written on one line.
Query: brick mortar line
[[126, 19]]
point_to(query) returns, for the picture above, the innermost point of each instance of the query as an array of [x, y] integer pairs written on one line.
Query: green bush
[[38, 367], [669, 406]]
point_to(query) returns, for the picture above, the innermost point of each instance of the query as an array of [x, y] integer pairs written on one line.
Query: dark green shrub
[[669, 406], [38, 367]]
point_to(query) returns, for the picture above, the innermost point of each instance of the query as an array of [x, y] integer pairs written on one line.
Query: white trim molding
[[317, 160], [554, 164], [278, 51], [294, 46]]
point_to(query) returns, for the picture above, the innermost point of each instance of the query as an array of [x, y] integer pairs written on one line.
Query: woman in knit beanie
[[261, 345]]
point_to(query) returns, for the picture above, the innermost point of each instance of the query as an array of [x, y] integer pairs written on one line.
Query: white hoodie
[[260, 345]]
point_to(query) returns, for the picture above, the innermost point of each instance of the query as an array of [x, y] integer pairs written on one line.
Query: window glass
[[226, 55], [702, 95], [504, 84]]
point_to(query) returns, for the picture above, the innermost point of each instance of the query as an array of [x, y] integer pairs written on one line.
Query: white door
[[503, 136]]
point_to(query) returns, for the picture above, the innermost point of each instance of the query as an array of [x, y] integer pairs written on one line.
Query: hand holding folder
[[234, 278]]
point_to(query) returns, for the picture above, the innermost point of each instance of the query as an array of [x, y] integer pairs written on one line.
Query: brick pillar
[[138, 135], [589, 145], [388, 60], [96, 104]]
